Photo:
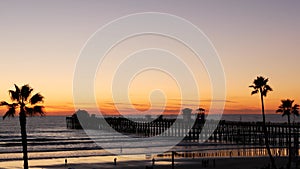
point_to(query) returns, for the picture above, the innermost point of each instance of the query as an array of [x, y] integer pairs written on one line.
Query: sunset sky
[[41, 41]]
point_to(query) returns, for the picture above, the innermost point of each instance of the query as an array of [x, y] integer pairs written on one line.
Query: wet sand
[[139, 162]]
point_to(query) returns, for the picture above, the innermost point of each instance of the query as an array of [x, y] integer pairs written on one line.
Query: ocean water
[[48, 137]]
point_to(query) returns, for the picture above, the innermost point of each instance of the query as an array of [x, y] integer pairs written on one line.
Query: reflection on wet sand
[[239, 152]]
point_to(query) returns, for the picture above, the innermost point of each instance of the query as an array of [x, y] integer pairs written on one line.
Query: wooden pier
[[230, 132]]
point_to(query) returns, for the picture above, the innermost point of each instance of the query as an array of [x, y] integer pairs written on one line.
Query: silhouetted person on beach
[[115, 161], [66, 162], [153, 161]]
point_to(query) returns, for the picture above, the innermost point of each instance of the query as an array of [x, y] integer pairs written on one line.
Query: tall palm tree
[[27, 107], [260, 86], [287, 109]]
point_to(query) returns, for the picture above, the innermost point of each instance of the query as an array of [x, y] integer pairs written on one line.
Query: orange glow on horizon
[[173, 109]]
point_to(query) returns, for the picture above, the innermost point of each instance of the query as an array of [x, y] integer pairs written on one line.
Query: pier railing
[[230, 132]]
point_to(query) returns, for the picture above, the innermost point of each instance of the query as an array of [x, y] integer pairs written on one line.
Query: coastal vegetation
[[288, 108], [260, 85], [28, 105]]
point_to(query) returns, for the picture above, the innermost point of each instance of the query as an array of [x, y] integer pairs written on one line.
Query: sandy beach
[[140, 162]]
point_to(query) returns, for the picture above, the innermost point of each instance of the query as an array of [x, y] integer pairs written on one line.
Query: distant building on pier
[[85, 121]]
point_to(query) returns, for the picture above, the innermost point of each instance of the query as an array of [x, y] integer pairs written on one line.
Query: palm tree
[[287, 109], [27, 107], [260, 86]]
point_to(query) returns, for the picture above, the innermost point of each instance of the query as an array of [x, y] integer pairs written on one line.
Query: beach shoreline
[[140, 161]]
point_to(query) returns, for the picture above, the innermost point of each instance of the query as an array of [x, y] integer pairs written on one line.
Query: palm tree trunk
[[22, 119], [266, 131], [289, 143]]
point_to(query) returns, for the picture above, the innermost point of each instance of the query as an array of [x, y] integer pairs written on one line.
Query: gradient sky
[[41, 40]]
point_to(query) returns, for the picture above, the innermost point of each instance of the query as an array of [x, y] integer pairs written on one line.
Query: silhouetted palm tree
[[260, 86], [27, 107], [287, 109]]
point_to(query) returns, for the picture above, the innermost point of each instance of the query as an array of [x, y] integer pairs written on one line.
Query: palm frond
[[17, 89], [29, 111], [268, 88], [14, 95], [295, 110], [265, 80], [260, 81], [39, 110], [15, 105], [252, 86], [36, 110], [286, 113], [10, 113], [254, 92], [3, 103], [26, 91], [36, 98], [287, 104]]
